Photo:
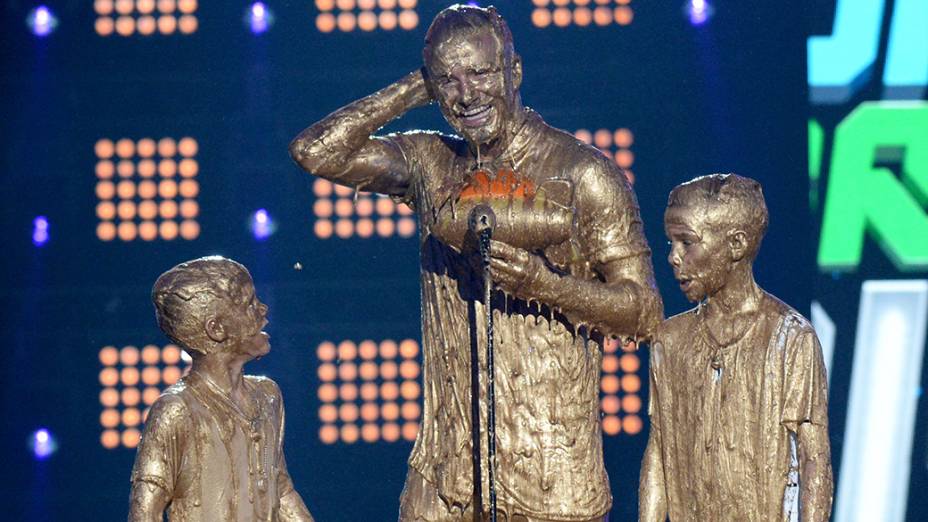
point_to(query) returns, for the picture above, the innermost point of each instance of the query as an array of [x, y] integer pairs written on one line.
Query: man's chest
[[534, 209]]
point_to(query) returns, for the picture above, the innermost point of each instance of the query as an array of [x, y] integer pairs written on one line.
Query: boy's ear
[[215, 330], [738, 244]]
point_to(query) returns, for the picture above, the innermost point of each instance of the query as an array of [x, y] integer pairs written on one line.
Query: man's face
[[699, 252], [246, 317], [467, 74]]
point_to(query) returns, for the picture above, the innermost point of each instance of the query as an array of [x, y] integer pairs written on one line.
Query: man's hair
[[731, 201], [188, 295], [469, 19]]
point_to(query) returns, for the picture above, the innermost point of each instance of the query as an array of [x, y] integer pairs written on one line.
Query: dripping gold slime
[[212, 450], [570, 264], [738, 398]]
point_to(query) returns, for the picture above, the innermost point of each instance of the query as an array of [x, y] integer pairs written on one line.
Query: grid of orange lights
[[562, 13], [369, 391], [147, 189], [614, 144], [620, 386], [131, 380], [366, 15], [145, 17], [339, 213]]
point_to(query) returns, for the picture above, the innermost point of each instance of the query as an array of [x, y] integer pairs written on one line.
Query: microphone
[[482, 220]]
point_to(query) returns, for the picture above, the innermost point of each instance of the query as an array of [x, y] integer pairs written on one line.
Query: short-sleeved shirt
[[215, 465], [725, 415], [565, 201]]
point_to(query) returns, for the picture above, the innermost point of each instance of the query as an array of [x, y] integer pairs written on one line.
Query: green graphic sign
[[866, 197]]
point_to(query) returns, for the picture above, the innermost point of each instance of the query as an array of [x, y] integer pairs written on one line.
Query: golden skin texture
[[570, 264], [736, 383], [212, 449]]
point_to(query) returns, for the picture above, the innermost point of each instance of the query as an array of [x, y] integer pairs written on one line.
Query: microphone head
[[481, 218]]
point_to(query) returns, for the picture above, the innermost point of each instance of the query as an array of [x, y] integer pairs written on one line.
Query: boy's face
[[699, 251], [246, 316]]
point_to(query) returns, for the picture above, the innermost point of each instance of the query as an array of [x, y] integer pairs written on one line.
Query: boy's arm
[[652, 495], [292, 507], [814, 473], [147, 502], [341, 148], [158, 459], [806, 415], [652, 492]]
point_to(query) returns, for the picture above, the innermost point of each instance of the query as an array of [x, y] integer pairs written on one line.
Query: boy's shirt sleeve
[[160, 450], [805, 383]]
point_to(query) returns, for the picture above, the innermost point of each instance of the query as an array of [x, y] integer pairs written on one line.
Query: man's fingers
[[499, 267], [502, 250]]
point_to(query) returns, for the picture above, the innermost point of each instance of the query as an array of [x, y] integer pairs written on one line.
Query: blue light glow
[[41, 21], [259, 18], [262, 225], [43, 444], [698, 11], [39, 231]]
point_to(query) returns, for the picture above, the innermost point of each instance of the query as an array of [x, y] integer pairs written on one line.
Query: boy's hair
[[188, 295], [732, 201]]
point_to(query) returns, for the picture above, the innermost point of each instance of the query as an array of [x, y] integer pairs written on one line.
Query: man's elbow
[[300, 153]]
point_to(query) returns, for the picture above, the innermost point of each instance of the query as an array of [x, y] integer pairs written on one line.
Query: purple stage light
[[262, 225], [39, 231], [43, 444], [259, 18], [698, 11], [41, 21]]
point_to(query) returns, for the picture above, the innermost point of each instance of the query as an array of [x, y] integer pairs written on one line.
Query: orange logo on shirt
[[506, 184]]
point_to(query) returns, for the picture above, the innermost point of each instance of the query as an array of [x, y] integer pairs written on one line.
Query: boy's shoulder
[[793, 322], [265, 385], [671, 336], [171, 408], [676, 326]]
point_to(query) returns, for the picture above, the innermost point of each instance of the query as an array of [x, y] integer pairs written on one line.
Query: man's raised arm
[[341, 148]]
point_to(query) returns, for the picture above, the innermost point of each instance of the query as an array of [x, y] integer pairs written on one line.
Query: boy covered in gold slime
[[738, 383], [571, 261], [213, 442]]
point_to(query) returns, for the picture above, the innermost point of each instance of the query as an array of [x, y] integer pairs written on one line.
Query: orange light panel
[[581, 13], [147, 189], [620, 384], [341, 213], [366, 15], [616, 145], [145, 17], [131, 380], [368, 391]]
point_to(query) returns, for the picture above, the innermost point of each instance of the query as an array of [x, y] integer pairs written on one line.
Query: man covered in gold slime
[[738, 383], [571, 262], [213, 442]]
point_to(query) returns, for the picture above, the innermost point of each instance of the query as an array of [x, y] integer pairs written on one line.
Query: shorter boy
[[213, 442], [738, 383]]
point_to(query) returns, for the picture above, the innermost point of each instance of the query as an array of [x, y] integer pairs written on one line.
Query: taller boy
[[571, 260], [738, 383]]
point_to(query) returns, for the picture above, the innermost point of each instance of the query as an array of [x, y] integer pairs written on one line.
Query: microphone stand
[[481, 221]]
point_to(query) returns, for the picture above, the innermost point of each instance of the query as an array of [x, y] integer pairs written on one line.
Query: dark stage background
[[141, 134]]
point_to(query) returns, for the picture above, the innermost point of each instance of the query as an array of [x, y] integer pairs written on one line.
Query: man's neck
[[497, 149]]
